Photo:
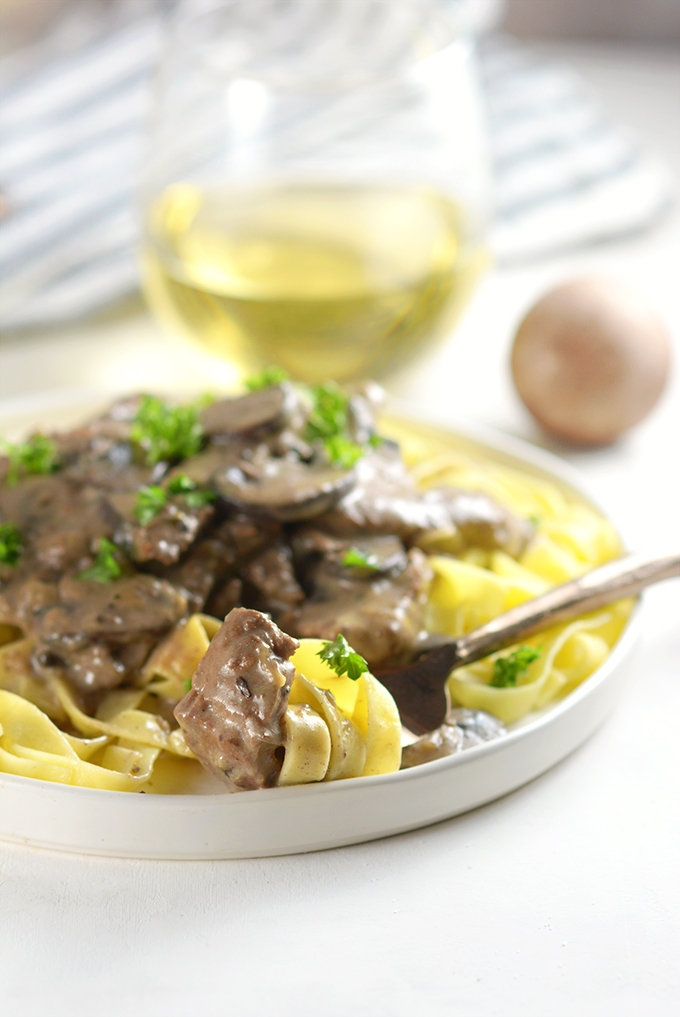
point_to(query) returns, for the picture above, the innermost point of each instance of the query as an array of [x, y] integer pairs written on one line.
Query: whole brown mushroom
[[590, 360]]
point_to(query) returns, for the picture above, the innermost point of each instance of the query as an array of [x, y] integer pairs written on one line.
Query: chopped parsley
[[166, 432], [265, 379], [342, 451], [328, 422], [187, 684], [10, 544], [357, 559], [341, 657], [151, 500], [506, 670], [194, 496], [328, 416], [37, 455], [106, 567]]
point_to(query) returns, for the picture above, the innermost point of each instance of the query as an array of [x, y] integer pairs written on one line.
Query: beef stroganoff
[[126, 541]]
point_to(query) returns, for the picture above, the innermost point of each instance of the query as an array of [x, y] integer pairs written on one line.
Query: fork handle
[[623, 577]]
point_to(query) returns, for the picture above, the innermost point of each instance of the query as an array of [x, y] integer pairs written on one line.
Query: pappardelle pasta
[[333, 727]]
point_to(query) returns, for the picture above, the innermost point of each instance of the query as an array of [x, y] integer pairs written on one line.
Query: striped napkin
[[71, 125]]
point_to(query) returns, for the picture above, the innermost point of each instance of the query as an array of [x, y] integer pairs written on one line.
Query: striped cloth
[[70, 134]]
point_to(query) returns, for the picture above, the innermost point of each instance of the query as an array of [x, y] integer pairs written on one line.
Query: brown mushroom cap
[[282, 488]]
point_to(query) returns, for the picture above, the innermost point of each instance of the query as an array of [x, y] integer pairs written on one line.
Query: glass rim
[[433, 29]]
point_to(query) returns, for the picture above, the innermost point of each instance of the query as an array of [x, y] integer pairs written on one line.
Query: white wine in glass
[[330, 222]]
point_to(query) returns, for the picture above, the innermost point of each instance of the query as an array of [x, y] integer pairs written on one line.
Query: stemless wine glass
[[315, 189]]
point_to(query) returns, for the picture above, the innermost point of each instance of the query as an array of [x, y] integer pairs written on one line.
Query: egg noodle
[[335, 727]]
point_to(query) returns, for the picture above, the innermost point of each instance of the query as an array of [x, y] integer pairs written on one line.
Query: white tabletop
[[560, 898]]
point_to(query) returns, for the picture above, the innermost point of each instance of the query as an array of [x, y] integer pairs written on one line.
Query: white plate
[[314, 816]]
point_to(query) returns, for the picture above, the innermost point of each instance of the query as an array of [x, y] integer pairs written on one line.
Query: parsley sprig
[[328, 415], [10, 544], [266, 378], [506, 670], [328, 422], [37, 455], [166, 432], [152, 499], [342, 658], [106, 567], [342, 451], [194, 496], [355, 558]]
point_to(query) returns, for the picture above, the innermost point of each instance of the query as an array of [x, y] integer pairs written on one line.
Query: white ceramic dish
[[310, 817]]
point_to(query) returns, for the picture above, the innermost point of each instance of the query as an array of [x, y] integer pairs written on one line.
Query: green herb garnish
[[106, 567], [265, 379], [328, 416], [166, 432], [506, 670], [37, 455], [342, 658], [187, 685], [357, 559], [10, 544], [342, 451], [328, 422], [205, 400], [194, 496], [150, 501]]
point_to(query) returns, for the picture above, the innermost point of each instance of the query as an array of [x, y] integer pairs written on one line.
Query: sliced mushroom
[[283, 488], [268, 409], [462, 729]]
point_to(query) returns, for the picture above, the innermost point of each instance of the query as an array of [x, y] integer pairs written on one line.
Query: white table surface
[[562, 898]]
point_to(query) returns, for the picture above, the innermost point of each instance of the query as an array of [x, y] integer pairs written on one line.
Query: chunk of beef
[[233, 717], [385, 499], [97, 635], [166, 537], [271, 584], [225, 596], [23, 598], [472, 519], [58, 520], [380, 610], [212, 562]]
